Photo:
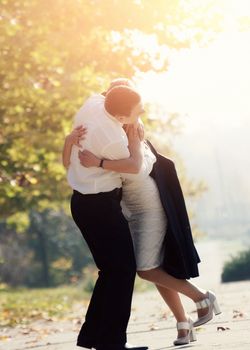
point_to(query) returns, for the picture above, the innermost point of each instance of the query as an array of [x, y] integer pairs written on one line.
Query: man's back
[[106, 139]]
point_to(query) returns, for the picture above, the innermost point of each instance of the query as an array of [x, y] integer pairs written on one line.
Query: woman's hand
[[73, 138], [76, 136], [88, 159], [133, 136], [138, 127]]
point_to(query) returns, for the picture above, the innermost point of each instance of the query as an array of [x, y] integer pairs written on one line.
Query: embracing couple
[[129, 207]]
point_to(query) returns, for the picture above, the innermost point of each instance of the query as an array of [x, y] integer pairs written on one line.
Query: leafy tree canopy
[[53, 54]]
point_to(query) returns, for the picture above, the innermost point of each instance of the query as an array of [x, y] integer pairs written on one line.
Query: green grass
[[22, 306]]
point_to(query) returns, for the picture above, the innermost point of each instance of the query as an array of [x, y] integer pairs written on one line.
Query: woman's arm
[[130, 165], [140, 128], [73, 138]]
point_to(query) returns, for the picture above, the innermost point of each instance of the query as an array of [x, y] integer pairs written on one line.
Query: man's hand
[[88, 159], [76, 136]]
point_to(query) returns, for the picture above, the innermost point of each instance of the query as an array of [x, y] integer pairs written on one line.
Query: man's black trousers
[[103, 226]]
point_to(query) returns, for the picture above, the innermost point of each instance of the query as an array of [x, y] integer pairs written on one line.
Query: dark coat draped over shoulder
[[180, 256]]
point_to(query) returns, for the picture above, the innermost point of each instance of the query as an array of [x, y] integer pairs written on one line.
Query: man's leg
[[106, 232]]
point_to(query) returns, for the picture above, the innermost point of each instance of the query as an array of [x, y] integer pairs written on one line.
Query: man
[[95, 207]]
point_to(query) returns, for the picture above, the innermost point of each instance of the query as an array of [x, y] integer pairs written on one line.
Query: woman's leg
[[163, 279], [173, 301]]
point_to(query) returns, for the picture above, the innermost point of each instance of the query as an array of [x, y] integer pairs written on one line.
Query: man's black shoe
[[134, 347], [125, 347]]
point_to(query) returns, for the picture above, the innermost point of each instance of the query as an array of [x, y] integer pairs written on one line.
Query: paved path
[[152, 324]]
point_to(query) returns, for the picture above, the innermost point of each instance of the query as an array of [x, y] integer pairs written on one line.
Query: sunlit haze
[[210, 88]]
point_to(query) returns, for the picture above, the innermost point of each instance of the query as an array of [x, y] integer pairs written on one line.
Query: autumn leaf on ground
[[223, 328], [153, 327], [4, 337], [164, 315], [238, 314]]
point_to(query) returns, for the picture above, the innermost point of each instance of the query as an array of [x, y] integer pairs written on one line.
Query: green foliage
[[238, 268], [50, 252], [53, 55]]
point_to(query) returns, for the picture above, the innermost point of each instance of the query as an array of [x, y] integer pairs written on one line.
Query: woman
[[148, 223]]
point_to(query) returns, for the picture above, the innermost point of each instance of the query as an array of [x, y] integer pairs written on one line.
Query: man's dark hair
[[119, 82], [120, 100]]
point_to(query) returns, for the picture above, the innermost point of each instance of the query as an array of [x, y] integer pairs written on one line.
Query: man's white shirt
[[106, 139]]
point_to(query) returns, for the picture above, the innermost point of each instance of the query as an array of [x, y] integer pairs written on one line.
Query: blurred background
[[190, 61]]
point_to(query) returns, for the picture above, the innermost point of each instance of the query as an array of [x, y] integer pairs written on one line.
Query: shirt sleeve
[[115, 151], [108, 144]]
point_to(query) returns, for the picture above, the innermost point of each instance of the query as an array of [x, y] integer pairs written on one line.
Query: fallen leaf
[[237, 314], [153, 327], [222, 328], [77, 321], [4, 337]]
